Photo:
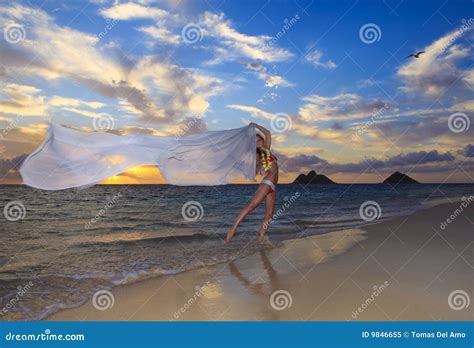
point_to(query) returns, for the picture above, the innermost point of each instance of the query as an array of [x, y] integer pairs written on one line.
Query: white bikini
[[269, 183], [266, 181]]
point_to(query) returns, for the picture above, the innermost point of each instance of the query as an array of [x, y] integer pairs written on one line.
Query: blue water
[[72, 243]]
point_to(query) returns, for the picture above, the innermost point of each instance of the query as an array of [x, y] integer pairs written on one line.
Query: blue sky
[[352, 106]]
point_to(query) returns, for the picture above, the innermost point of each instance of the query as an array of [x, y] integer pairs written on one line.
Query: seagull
[[416, 55]]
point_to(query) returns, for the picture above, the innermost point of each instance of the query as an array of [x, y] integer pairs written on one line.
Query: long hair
[[263, 156], [262, 153]]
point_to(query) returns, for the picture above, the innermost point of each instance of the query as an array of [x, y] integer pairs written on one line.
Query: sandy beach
[[402, 269]]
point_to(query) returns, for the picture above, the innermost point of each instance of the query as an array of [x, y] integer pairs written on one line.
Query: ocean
[[59, 247]]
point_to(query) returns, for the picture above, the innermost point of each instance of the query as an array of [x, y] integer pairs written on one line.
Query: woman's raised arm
[[266, 132]]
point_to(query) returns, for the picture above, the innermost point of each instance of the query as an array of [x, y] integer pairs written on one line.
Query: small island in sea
[[399, 178], [313, 178]]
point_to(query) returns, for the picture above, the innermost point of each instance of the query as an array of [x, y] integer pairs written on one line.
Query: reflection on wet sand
[[263, 290]]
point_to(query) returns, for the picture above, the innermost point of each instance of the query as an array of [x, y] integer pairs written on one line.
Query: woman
[[267, 166]]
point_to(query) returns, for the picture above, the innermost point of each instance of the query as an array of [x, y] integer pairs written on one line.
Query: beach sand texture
[[408, 268]]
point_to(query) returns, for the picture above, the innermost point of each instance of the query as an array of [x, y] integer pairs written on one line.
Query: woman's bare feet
[[266, 243], [230, 235]]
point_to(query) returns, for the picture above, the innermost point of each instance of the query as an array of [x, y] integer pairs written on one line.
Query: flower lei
[[266, 164]]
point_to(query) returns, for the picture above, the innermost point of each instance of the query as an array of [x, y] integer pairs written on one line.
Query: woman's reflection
[[260, 289]]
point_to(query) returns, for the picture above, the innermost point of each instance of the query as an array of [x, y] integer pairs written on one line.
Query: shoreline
[[400, 269]]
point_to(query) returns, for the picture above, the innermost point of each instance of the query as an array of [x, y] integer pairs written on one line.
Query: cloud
[[468, 151], [161, 34], [424, 130], [415, 161], [21, 139], [414, 158], [343, 106], [274, 80], [233, 45], [8, 168], [59, 101], [271, 81], [421, 161], [468, 77], [367, 83], [23, 100], [131, 10], [420, 128], [185, 90], [315, 58], [5, 119], [227, 43], [253, 66], [297, 124], [252, 110], [160, 91], [188, 126], [467, 105], [436, 70], [292, 164], [83, 112]]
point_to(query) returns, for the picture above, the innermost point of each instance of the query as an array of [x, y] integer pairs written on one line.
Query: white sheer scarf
[[71, 158]]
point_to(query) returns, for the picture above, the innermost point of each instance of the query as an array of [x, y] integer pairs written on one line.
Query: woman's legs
[[259, 196], [270, 201]]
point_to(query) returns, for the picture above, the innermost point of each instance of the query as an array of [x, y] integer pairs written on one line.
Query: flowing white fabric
[[71, 158]]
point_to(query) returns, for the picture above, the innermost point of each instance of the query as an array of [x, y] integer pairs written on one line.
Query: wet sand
[[402, 269]]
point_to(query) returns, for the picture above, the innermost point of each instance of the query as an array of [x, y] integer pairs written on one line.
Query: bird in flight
[[416, 55]]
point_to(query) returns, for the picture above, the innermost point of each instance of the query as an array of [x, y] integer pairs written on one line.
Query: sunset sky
[[356, 108]]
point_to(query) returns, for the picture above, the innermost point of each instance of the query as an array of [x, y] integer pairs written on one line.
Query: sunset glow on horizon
[[347, 101]]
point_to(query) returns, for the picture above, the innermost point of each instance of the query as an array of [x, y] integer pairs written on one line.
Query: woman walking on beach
[[268, 167]]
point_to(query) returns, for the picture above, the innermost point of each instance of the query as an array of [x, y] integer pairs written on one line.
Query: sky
[[330, 79]]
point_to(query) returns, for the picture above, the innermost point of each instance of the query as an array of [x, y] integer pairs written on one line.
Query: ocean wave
[[138, 239]]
